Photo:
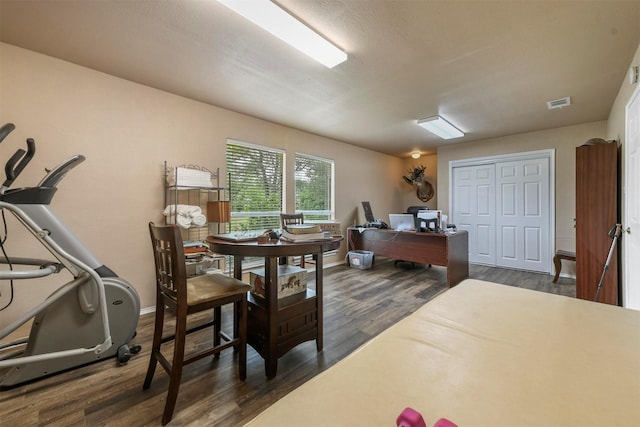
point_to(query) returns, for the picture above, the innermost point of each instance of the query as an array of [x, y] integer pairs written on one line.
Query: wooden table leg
[[319, 296], [271, 297], [237, 273]]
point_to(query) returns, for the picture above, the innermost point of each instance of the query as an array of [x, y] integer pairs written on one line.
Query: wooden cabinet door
[[596, 213]]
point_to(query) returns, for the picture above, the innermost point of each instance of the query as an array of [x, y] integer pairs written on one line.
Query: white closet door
[[474, 210], [522, 214]]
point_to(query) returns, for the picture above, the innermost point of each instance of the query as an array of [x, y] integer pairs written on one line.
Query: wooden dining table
[[275, 326]]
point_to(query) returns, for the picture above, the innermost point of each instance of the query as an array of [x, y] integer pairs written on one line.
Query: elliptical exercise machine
[[90, 318]]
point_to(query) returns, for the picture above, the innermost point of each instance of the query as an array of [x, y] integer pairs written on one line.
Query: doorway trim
[[630, 242], [526, 155]]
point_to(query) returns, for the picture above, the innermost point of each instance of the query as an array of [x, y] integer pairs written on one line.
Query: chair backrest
[[415, 209], [168, 255], [289, 219]]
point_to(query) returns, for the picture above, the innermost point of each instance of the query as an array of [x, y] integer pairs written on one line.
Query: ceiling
[[487, 66]]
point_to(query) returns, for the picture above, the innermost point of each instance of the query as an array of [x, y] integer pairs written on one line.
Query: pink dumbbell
[[443, 422], [412, 418]]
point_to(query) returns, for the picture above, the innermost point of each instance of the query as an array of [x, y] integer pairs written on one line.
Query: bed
[[483, 354]]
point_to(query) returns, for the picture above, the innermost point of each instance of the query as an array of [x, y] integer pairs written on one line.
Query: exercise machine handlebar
[[45, 268], [18, 162], [6, 130], [56, 174]]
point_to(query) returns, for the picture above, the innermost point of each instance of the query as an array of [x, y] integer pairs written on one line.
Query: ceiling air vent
[[559, 103]]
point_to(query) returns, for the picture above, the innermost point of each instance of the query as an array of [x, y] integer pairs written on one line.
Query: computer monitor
[[368, 213], [430, 220], [402, 222]]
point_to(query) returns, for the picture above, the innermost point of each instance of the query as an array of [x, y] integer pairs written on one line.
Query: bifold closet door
[[522, 215], [474, 210], [505, 208]]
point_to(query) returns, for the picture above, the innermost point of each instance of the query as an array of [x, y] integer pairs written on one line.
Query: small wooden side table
[[557, 261]]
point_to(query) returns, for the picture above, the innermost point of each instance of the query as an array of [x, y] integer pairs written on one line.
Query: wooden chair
[[185, 297], [557, 261], [292, 219]]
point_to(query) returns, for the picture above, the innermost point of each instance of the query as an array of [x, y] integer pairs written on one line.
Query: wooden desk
[[448, 250], [275, 327]]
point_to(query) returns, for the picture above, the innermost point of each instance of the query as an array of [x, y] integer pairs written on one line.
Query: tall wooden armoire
[[597, 210]]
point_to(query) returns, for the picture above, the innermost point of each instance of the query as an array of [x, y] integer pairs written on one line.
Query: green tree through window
[[255, 186], [314, 187]]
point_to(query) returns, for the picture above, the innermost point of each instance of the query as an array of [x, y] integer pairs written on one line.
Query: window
[[314, 187], [256, 176]]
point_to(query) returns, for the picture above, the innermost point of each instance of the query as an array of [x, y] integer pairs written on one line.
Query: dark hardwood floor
[[359, 304]]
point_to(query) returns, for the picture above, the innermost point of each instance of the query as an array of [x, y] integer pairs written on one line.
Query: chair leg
[[217, 328], [237, 321], [558, 265], [155, 347], [241, 309], [175, 375]]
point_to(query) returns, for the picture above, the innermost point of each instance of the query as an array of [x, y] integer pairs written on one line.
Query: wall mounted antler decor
[[424, 189]]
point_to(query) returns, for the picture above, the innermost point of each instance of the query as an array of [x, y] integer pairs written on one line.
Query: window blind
[[256, 176], [314, 187]]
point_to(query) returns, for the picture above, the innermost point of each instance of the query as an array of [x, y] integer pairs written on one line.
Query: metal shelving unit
[[195, 196]]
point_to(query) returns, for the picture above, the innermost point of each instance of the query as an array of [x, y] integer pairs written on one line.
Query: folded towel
[[186, 210], [199, 220], [182, 220], [189, 177]]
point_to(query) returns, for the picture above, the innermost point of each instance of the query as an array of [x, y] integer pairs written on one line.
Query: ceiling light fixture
[[439, 126], [415, 155], [275, 20]]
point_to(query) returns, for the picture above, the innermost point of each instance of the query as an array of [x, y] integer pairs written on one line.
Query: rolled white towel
[[199, 220], [182, 220], [186, 210]]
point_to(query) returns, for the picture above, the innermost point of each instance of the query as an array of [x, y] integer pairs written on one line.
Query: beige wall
[[562, 140], [616, 122], [126, 131]]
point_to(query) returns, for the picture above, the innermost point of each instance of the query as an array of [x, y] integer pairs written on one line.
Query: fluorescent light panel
[[439, 126], [270, 17]]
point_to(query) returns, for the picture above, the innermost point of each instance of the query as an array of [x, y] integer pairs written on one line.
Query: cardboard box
[[360, 259], [291, 280]]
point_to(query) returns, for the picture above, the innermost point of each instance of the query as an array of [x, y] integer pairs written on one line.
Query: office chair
[[185, 297], [415, 209]]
